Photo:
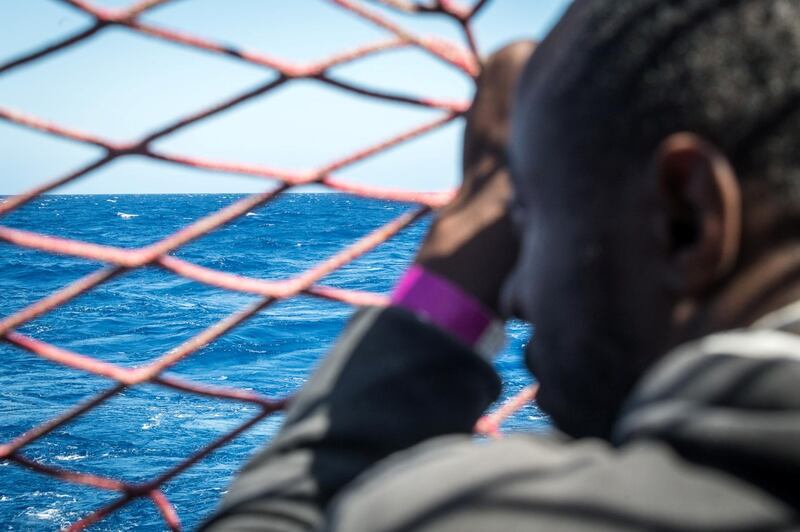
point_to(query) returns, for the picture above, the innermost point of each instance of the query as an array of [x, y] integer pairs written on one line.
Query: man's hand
[[472, 242]]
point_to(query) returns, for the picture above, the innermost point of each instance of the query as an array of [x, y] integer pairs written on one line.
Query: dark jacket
[[379, 440]]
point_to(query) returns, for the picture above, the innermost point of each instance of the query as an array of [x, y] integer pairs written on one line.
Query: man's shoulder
[[540, 483]]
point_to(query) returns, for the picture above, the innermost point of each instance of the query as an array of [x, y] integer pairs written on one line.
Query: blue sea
[[142, 314]]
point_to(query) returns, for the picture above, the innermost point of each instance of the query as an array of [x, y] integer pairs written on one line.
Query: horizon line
[[2, 195]]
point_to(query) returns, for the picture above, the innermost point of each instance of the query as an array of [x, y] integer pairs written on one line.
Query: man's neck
[[763, 286]]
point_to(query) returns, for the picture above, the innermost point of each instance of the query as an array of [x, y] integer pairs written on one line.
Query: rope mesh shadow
[[120, 260]]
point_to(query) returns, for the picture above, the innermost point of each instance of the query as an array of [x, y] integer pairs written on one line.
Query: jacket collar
[[730, 401]]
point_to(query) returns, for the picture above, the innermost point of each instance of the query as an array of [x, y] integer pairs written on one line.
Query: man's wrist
[[464, 279], [445, 304], [476, 258]]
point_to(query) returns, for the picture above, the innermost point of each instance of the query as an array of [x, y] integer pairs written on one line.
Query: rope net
[[121, 260]]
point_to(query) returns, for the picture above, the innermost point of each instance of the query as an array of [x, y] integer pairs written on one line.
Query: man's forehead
[[531, 123], [550, 126]]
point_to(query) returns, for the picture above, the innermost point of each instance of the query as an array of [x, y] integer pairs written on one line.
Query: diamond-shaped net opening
[[119, 261]]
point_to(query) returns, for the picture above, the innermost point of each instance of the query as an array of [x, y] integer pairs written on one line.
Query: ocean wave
[[70, 457], [154, 421], [126, 216], [45, 515], [251, 213]]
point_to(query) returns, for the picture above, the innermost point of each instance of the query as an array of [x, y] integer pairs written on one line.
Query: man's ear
[[701, 201]]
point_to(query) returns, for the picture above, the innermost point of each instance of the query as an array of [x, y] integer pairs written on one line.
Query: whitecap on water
[[46, 515], [251, 213], [70, 457], [153, 422], [126, 216]]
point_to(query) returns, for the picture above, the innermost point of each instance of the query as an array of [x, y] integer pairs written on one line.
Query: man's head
[[656, 153]]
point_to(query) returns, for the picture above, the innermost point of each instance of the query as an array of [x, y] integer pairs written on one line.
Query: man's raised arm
[[404, 374]]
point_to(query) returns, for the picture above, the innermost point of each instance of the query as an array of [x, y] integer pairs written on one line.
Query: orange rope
[[120, 261]]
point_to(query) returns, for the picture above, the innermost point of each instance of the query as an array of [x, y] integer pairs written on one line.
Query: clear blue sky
[[121, 84]]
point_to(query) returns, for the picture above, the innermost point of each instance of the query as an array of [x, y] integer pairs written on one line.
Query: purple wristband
[[446, 305]]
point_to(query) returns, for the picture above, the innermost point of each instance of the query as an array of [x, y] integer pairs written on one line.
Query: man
[[655, 160]]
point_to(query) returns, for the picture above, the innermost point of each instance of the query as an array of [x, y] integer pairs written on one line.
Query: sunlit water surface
[[140, 315]]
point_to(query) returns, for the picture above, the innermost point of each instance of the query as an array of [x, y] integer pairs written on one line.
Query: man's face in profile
[[585, 277]]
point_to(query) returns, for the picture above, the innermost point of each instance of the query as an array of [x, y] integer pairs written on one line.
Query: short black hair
[[625, 74]]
